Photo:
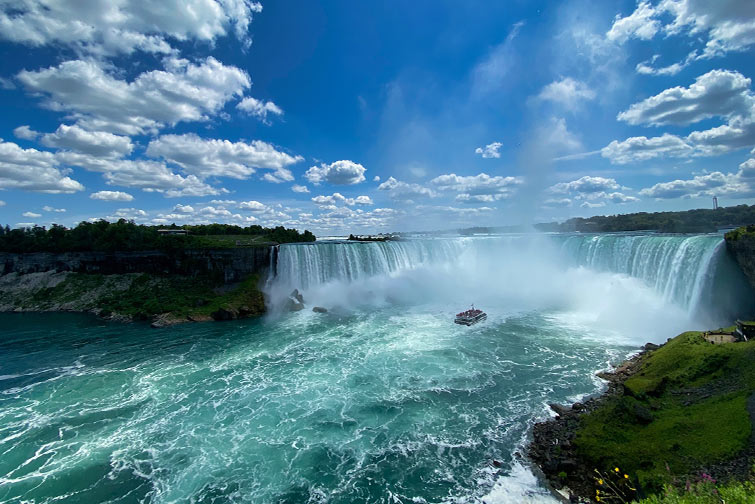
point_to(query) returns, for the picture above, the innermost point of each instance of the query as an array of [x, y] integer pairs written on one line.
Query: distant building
[[172, 231], [715, 202]]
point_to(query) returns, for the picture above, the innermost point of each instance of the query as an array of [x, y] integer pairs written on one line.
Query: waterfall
[[692, 272], [305, 265], [677, 267]]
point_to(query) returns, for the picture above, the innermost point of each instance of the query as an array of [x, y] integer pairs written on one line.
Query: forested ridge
[[689, 221], [125, 235]]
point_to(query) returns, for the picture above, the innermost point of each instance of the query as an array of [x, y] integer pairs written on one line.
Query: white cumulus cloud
[[258, 108], [739, 184], [481, 187], [586, 184], [111, 196], [399, 190], [336, 198], [150, 176], [33, 170], [95, 143], [124, 26], [100, 101], [718, 93], [25, 132], [490, 150], [221, 158], [722, 26], [342, 172], [639, 24]]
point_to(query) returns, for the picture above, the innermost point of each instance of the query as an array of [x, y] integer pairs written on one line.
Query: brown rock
[[560, 410], [166, 320]]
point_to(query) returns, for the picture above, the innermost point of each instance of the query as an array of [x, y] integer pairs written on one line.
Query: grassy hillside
[[684, 412]]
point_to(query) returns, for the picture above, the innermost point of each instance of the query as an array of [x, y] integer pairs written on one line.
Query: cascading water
[[677, 267], [680, 269], [309, 265]]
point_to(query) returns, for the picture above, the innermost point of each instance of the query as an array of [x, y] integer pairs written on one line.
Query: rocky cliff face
[[228, 265], [741, 245]]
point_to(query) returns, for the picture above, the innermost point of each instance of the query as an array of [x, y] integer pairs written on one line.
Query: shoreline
[[545, 451]]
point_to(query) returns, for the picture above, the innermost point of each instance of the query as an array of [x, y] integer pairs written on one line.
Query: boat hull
[[468, 321]]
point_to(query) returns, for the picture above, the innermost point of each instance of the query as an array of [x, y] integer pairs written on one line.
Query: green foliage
[[144, 296], [747, 232], [690, 221], [126, 235], [684, 409], [705, 492], [182, 296]]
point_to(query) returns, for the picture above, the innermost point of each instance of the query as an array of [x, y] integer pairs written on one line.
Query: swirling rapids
[[393, 405]]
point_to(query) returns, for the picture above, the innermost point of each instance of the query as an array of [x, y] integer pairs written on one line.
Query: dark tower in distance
[[715, 202]]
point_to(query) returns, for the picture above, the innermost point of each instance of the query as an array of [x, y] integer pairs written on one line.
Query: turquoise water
[[387, 407], [381, 400]]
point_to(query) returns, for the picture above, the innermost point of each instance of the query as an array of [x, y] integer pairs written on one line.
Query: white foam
[[520, 486]]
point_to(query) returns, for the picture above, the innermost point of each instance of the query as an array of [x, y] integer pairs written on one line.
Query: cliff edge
[[741, 245], [165, 287]]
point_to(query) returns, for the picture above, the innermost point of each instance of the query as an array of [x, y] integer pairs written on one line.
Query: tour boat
[[470, 317]]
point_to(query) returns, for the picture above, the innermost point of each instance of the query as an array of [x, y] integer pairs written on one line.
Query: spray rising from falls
[[691, 272]]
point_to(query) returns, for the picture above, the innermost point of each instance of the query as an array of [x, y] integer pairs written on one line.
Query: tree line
[[125, 235], [690, 221]]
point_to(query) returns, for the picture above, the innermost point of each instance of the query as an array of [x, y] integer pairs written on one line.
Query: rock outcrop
[[166, 320], [295, 301], [741, 245], [227, 265]]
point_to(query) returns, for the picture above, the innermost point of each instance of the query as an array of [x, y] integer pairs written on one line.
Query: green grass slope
[[685, 409]]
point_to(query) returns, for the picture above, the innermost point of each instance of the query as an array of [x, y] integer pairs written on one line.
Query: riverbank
[[163, 300], [669, 415]]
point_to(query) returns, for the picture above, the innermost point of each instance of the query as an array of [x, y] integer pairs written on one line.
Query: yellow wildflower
[[626, 476], [600, 482], [616, 469]]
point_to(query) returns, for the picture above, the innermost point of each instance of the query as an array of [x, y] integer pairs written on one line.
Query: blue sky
[[346, 117]]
